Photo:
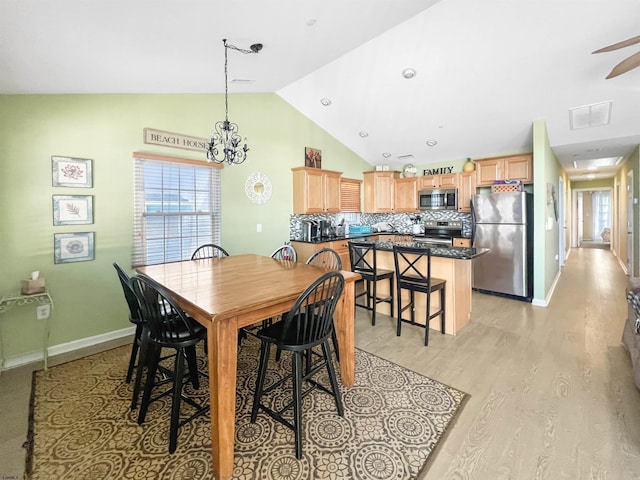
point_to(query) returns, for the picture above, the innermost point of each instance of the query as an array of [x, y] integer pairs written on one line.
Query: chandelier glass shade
[[226, 145]]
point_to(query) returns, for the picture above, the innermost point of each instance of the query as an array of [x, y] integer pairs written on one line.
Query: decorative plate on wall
[[258, 188]]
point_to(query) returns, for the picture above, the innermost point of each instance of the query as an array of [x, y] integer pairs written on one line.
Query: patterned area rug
[[81, 426]]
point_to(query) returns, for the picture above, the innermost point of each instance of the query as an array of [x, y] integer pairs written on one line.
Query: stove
[[440, 232]]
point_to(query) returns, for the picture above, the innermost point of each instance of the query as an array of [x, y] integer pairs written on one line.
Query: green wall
[[546, 171], [596, 183], [108, 129]]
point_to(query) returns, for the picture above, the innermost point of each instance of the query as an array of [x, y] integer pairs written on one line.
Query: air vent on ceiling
[[594, 115], [242, 81], [406, 156]]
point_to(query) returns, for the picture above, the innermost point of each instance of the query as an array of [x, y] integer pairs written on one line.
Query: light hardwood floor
[[551, 392]]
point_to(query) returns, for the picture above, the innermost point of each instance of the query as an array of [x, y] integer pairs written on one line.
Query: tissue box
[[31, 287]]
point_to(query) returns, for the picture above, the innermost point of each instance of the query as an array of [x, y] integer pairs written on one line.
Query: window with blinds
[[350, 195], [176, 208]]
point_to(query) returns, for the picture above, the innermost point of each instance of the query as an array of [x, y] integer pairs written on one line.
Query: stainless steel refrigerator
[[503, 222]]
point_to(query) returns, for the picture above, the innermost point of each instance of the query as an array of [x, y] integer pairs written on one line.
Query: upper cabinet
[[445, 180], [379, 188], [405, 195], [466, 188], [315, 190], [511, 167]]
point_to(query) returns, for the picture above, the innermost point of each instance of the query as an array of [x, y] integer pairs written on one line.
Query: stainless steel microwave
[[446, 199]]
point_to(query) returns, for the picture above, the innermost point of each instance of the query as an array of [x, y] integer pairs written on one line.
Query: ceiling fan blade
[[624, 66], [616, 46]]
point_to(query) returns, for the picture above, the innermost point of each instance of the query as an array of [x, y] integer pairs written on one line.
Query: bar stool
[[363, 258], [409, 270]]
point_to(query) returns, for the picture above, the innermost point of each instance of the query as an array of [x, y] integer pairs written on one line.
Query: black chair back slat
[[326, 258], [310, 321], [209, 250]]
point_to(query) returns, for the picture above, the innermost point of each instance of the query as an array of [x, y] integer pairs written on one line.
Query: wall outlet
[[43, 312]]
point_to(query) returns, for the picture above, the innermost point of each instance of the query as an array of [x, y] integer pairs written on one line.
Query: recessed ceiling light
[[432, 143], [325, 101], [409, 73], [363, 134], [597, 162], [311, 22], [591, 176], [386, 154]]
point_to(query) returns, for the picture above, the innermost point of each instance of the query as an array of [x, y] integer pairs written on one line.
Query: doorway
[[594, 214]]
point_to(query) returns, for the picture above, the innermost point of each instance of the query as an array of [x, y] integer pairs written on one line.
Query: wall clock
[[258, 188]]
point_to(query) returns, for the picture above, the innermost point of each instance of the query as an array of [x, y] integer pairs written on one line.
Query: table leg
[[223, 358], [346, 343]]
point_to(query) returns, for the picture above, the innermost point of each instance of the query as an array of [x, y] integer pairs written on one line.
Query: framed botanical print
[[71, 172], [312, 157], [72, 209], [73, 247]]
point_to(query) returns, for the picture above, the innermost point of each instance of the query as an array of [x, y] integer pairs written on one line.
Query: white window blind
[[176, 208], [350, 195]]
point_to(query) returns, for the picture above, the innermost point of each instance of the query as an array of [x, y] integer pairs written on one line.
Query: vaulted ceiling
[[484, 70]]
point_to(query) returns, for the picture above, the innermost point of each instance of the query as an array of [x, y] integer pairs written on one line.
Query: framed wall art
[[312, 157], [73, 247], [72, 209], [71, 172]]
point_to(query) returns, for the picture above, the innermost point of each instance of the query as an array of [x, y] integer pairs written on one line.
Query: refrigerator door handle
[[473, 224]]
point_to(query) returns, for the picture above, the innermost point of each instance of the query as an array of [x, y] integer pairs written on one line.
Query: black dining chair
[[413, 273], [363, 258], [330, 259], [168, 327], [134, 318], [285, 252], [308, 324], [209, 250]]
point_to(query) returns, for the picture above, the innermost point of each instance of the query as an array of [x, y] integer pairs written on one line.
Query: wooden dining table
[[226, 294]]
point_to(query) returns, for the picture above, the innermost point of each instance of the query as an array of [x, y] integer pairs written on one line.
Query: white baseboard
[[545, 302], [37, 356]]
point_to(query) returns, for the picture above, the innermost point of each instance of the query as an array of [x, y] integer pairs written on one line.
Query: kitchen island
[[453, 264]]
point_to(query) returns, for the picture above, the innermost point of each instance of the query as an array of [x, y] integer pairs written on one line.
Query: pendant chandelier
[[225, 143]]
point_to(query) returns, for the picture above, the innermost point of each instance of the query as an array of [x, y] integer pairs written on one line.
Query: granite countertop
[[350, 236], [437, 250]]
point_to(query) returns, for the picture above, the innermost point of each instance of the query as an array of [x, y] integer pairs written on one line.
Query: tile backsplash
[[402, 222]]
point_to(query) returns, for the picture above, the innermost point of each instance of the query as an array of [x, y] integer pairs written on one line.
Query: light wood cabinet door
[[488, 171], [449, 180], [445, 180], [342, 247], [315, 190], [519, 167], [332, 192], [466, 188], [462, 242], [428, 181], [379, 191], [511, 167], [406, 195]]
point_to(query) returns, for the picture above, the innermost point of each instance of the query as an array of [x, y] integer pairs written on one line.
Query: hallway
[[551, 393]]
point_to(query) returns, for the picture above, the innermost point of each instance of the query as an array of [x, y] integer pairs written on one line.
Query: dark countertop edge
[[351, 236]]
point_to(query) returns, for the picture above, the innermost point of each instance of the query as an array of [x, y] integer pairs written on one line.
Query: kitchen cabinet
[[316, 190], [510, 167], [445, 180], [466, 188], [406, 195], [462, 242], [379, 187], [304, 250]]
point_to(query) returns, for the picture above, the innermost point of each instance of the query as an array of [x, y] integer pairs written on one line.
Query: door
[[630, 271], [504, 268], [561, 225]]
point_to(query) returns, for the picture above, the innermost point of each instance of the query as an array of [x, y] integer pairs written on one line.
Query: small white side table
[[17, 300]]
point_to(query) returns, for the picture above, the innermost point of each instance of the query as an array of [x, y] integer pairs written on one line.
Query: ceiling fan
[[628, 63]]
